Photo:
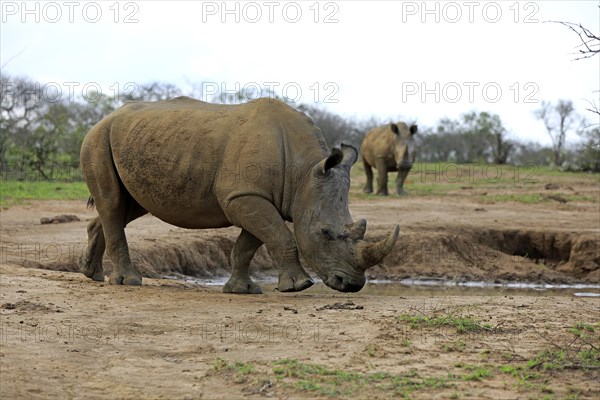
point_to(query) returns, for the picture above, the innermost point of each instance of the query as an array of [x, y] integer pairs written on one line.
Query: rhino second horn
[[358, 229], [369, 254]]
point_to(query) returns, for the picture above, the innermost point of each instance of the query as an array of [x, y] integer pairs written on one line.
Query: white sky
[[373, 58]]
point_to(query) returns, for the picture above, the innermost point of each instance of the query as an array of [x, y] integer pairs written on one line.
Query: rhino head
[[404, 145], [330, 242]]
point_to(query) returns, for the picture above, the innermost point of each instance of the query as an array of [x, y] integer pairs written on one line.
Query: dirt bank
[[439, 239]]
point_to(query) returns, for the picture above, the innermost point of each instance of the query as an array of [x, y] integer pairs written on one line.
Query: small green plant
[[521, 373], [371, 349], [485, 354], [477, 373], [582, 330], [240, 369], [457, 345], [220, 364], [557, 359]]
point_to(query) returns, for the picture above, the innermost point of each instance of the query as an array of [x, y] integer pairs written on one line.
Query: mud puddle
[[429, 287]]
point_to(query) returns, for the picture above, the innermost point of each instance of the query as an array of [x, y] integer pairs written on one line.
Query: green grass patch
[[462, 324], [578, 197], [583, 330], [292, 376], [445, 178], [16, 192], [526, 198], [335, 383], [240, 370]]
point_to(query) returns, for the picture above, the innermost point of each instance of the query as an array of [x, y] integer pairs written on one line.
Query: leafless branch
[[590, 42], [13, 57]]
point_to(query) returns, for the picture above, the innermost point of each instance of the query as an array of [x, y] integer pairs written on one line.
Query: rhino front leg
[[241, 255], [400, 179], [382, 180], [259, 217], [369, 172]]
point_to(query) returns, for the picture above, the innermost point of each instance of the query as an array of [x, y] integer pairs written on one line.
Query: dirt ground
[[64, 336]]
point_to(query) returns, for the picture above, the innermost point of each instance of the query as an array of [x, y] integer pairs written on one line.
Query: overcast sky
[[416, 60]]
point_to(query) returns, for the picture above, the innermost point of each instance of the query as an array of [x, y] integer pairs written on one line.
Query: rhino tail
[[90, 202]]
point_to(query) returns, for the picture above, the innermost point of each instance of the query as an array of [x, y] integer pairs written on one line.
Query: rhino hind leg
[[382, 180], [244, 249], [116, 242], [369, 172], [91, 263], [260, 218], [115, 207]]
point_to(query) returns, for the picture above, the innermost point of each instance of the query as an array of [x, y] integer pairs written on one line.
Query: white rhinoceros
[[255, 165], [388, 148]]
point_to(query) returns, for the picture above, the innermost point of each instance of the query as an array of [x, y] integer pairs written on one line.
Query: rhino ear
[[350, 155], [334, 159], [413, 129], [394, 128]]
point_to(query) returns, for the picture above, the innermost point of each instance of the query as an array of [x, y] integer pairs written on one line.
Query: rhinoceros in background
[[255, 165], [388, 148]]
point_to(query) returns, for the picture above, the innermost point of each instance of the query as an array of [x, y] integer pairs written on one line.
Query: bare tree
[[153, 91], [558, 120], [588, 48], [21, 108], [590, 42], [335, 128]]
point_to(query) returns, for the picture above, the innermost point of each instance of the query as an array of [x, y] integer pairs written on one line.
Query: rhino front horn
[[369, 254]]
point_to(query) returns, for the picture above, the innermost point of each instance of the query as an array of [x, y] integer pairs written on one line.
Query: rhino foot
[[126, 278], [241, 286], [289, 283], [92, 271]]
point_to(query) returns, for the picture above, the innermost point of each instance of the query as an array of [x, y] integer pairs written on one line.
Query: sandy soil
[[64, 336]]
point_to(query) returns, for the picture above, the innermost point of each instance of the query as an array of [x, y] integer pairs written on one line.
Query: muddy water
[[411, 289], [436, 288]]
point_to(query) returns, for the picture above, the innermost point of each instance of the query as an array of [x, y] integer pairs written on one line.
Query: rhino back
[[378, 143], [183, 159]]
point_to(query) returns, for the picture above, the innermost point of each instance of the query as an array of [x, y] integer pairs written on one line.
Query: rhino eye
[[327, 233]]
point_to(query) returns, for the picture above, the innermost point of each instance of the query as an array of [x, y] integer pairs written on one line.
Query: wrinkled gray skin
[[388, 148], [256, 165]]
